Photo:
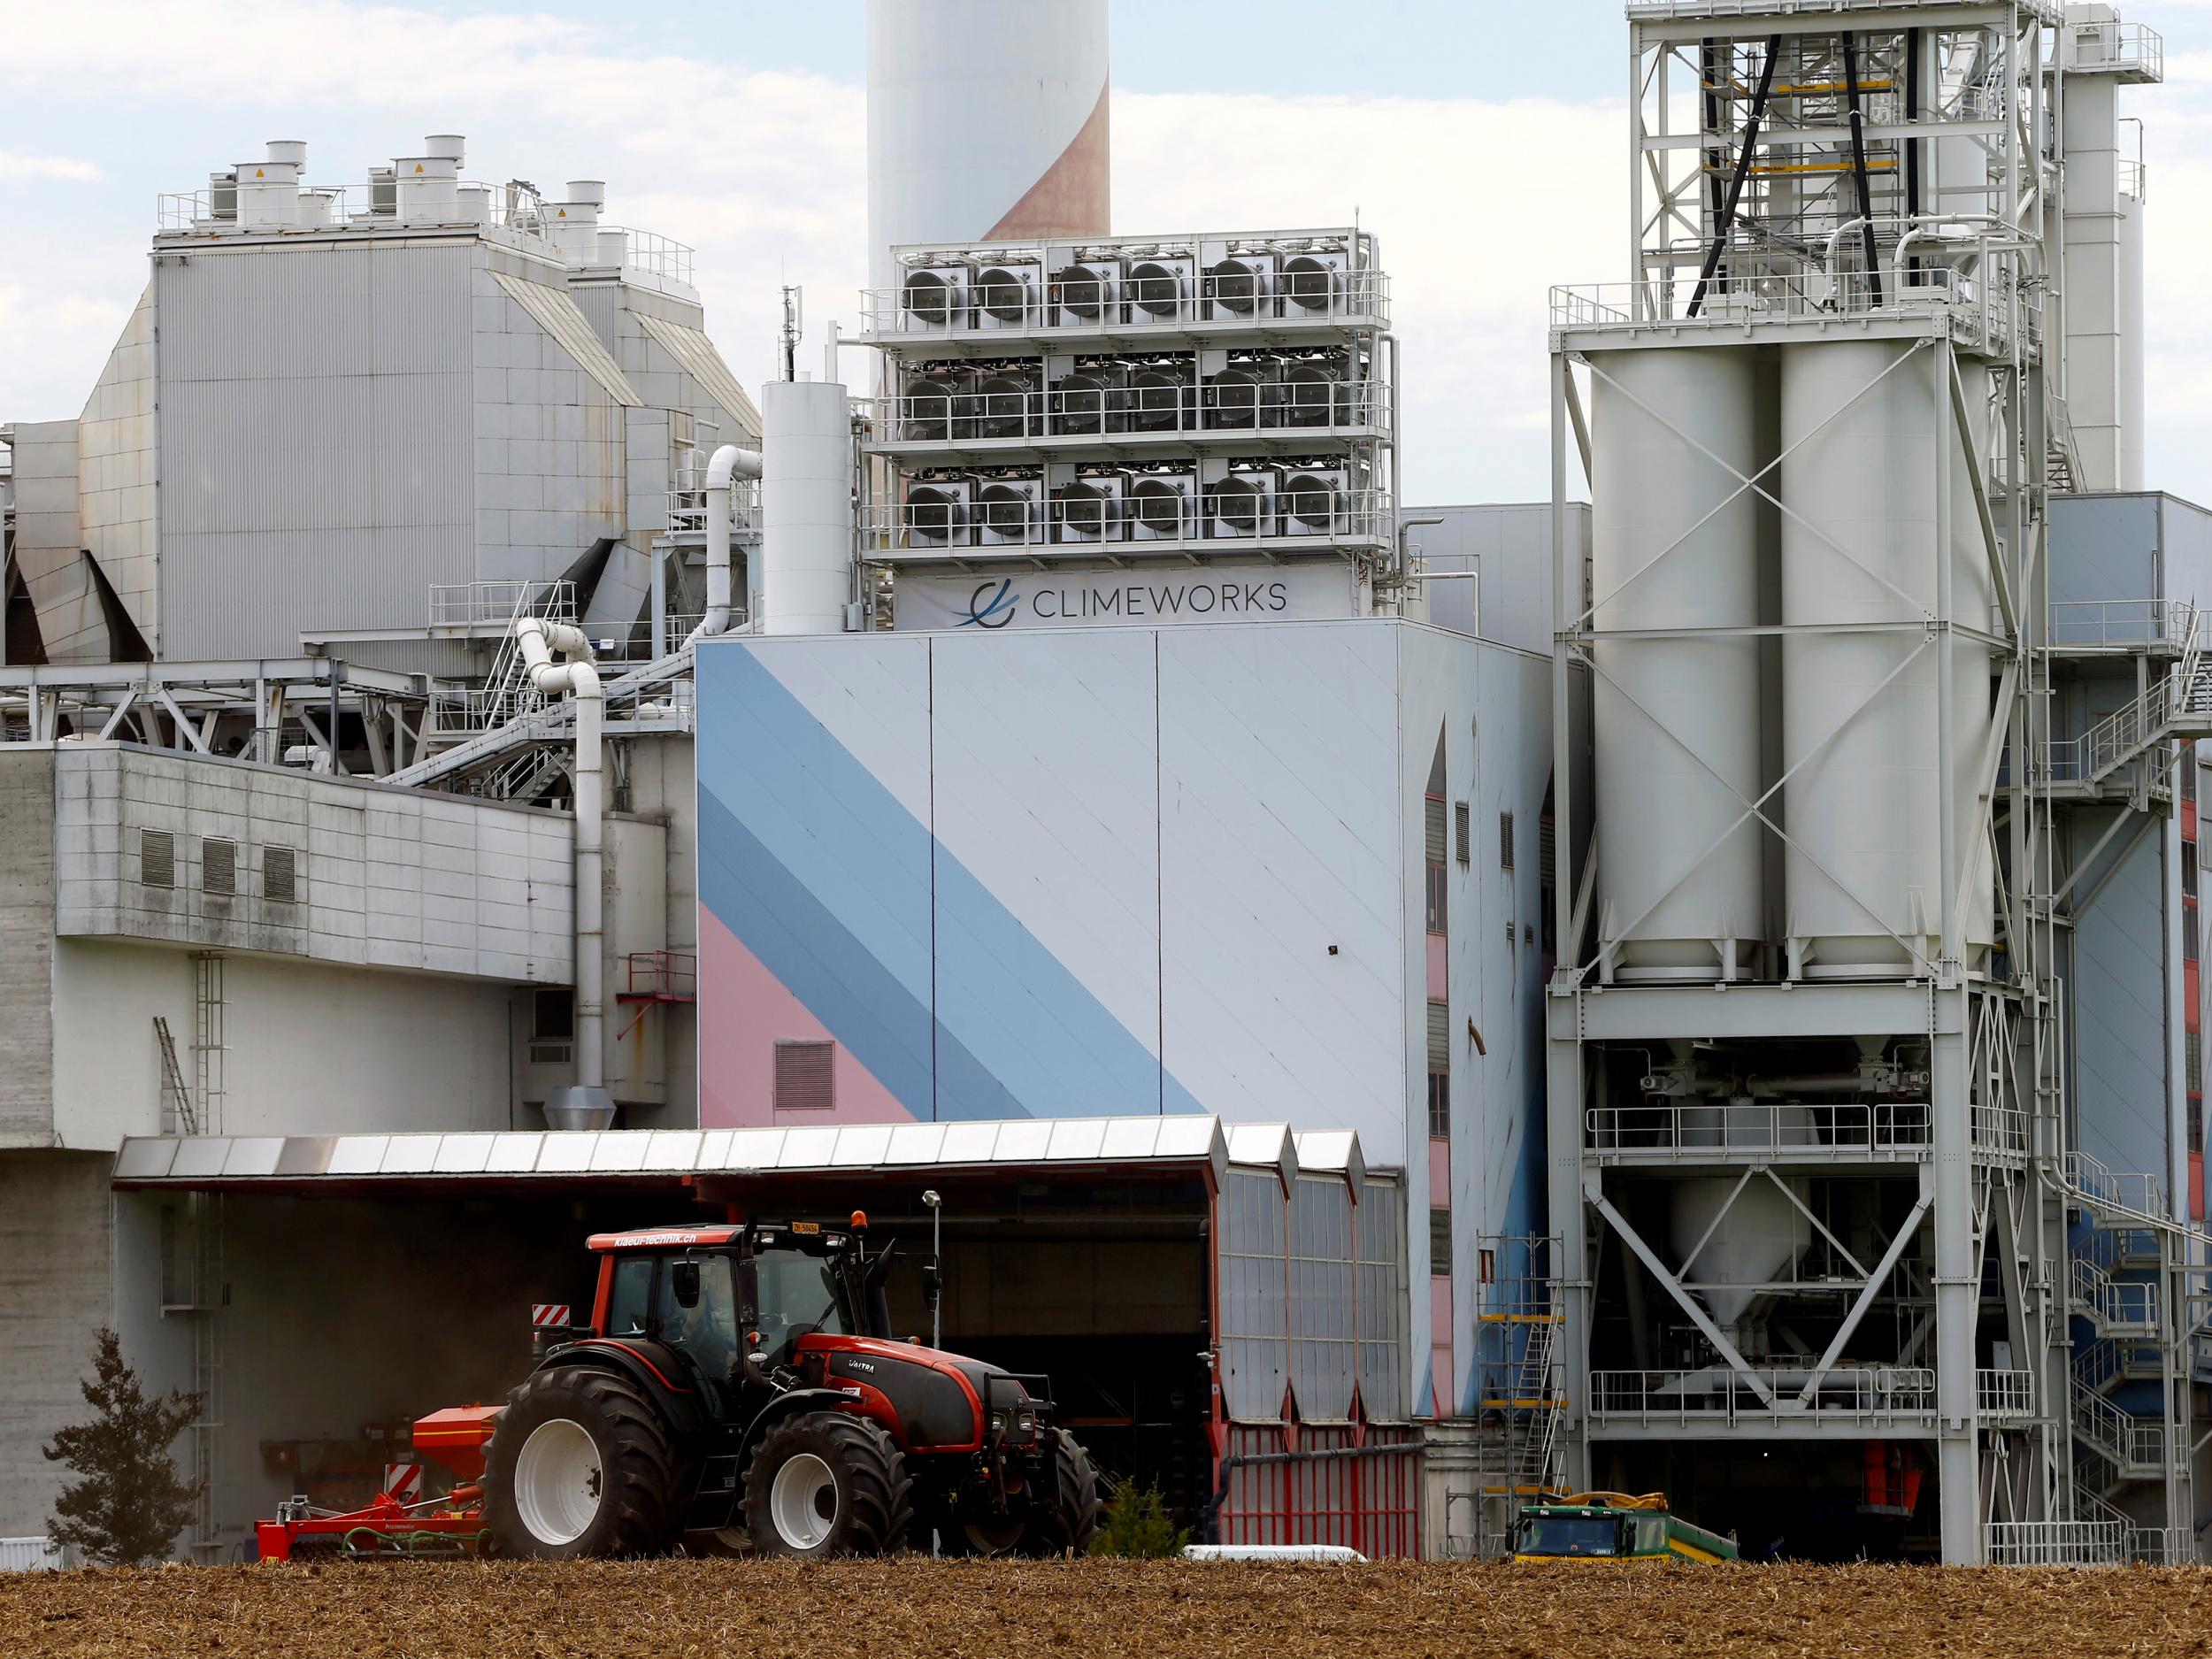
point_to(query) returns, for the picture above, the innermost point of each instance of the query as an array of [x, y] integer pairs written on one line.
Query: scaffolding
[[1520, 1394]]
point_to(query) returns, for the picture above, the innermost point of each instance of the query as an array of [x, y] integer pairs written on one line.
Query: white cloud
[[15, 165]]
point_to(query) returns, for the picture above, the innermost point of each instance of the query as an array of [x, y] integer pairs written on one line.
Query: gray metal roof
[[1154, 1141]]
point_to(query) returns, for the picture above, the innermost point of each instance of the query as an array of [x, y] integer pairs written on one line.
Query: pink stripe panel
[[743, 1011]]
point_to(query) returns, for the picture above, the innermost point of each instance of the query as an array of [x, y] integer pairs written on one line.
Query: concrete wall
[[27, 946], [57, 1241], [310, 1049], [385, 878]]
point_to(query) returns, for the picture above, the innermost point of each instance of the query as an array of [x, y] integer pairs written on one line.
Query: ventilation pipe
[[724, 467], [586, 1105]]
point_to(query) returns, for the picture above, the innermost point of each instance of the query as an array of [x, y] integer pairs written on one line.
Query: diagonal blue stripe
[[819, 961], [842, 892]]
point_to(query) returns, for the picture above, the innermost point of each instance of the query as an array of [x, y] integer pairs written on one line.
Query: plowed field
[[751, 1610]]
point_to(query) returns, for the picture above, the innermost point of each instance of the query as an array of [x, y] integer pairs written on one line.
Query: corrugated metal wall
[[317, 428]]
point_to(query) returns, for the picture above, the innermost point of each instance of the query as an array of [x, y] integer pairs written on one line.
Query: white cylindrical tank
[[269, 189], [428, 190], [612, 248], [806, 507], [985, 119], [2132, 430], [575, 222], [1861, 745], [452, 146], [1676, 721]]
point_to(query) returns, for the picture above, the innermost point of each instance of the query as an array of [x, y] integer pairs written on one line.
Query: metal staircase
[[2176, 704], [2063, 468]]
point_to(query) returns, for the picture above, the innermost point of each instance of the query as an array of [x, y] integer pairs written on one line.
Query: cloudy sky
[[1483, 140]]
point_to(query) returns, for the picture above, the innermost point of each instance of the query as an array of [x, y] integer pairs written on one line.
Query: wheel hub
[[802, 1501], [558, 1482]]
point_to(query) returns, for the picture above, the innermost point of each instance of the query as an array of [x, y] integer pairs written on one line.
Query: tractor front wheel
[[828, 1483], [580, 1464], [1065, 1525]]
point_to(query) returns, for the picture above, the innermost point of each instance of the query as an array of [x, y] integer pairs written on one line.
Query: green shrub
[[1139, 1526]]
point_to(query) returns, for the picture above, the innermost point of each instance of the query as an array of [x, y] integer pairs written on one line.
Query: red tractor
[[745, 1377]]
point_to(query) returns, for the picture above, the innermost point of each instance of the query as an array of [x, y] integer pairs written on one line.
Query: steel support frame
[[1990, 1044]]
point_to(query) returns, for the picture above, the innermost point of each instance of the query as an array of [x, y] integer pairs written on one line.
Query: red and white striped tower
[[985, 119]]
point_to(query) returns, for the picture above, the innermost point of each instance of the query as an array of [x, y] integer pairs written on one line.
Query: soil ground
[[756, 1609]]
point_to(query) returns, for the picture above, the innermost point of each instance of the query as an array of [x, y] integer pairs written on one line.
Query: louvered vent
[[1462, 834], [1432, 829], [806, 1076], [157, 858], [1505, 840], [218, 865], [1439, 1037], [279, 875]]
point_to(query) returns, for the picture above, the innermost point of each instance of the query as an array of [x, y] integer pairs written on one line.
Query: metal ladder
[[176, 1105]]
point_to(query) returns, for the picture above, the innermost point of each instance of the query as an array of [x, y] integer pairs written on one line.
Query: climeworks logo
[[990, 607]]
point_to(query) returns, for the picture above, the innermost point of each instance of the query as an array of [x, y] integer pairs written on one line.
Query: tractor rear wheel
[[1065, 1525], [828, 1483], [580, 1464]]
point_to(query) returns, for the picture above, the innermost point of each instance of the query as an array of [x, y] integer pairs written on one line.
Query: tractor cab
[[734, 1302]]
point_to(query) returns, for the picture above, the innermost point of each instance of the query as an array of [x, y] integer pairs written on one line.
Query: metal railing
[[973, 523], [2121, 735], [1314, 408], [2135, 180], [2117, 1307], [1990, 312], [668, 976], [2132, 1193], [2120, 624], [662, 256], [2136, 47], [2004, 1393], [462, 604], [2133, 1446], [1759, 1126], [507, 207], [1718, 1393], [2105, 1360], [2054, 1543], [2154, 1545]]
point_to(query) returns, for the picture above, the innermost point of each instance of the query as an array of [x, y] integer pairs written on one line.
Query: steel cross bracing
[[1785, 185]]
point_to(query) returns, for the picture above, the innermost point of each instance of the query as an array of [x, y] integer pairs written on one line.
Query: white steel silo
[[1861, 741], [985, 119], [806, 506], [1674, 546]]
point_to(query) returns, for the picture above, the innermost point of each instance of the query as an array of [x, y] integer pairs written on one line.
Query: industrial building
[[1400, 1011]]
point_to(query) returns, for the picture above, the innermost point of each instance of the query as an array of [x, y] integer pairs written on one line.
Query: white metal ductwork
[[806, 507], [728, 465], [586, 1105]]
